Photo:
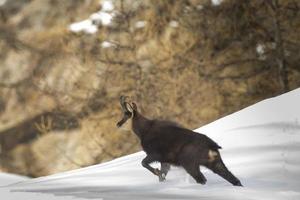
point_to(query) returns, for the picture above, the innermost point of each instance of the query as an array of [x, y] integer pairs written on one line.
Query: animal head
[[129, 109]]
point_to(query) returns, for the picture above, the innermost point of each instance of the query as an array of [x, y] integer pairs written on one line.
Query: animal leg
[[146, 163], [195, 172], [164, 169], [219, 168]]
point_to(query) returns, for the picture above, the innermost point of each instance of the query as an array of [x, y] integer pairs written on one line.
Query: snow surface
[[6, 179], [261, 146]]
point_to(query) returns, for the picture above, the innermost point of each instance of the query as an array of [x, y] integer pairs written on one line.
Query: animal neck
[[140, 124]]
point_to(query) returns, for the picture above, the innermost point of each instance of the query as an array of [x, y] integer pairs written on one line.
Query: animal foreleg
[[146, 163], [160, 173], [164, 169]]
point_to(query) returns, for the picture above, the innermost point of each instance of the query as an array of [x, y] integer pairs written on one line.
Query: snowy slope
[[7, 179], [261, 146]]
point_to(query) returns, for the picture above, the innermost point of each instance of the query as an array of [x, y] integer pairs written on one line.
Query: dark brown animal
[[170, 144]]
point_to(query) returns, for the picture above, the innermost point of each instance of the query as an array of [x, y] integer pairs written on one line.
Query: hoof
[[203, 182], [238, 184], [162, 177]]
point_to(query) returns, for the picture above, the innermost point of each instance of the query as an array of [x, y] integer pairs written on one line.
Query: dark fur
[[169, 143]]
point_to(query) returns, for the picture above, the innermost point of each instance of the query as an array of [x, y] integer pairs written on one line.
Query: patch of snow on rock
[[84, 26], [173, 24], [140, 24], [103, 17], [107, 44], [2, 2], [107, 6], [260, 49], [216, 2]]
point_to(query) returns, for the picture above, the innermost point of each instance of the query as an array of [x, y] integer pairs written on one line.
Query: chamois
[[171, 144]]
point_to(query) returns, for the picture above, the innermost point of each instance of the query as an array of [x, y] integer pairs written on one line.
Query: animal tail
[[209, 142], [213, 145]]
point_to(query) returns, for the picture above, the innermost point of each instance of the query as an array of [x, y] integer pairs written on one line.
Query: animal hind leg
[[219, 168], [195, 172]]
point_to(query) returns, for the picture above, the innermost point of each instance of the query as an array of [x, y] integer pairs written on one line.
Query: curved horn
[[123, 103], [126, 113]]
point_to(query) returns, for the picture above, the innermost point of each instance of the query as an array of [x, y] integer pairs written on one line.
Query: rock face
[[189, 61]]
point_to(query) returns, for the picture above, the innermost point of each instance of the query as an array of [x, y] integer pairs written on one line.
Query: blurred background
[[64, 64]]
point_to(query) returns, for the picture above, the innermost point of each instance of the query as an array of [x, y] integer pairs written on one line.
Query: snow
[[107, 6], [106, 44], [103, 17], [216, 2], [140, 24], [86, 26], [6, 179], [173, 24], [2, 2], [260, 49], [261, 146]]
